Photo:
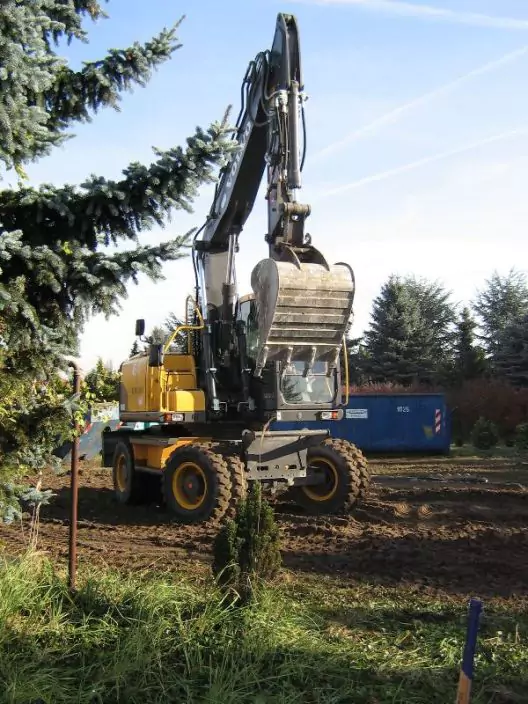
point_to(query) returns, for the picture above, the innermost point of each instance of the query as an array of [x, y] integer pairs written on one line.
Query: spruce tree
[[469, 359], [102, 383], [391, 341], [502, 300], [246, 551], [56, 265], [438, 316], [409, 334], [394, 339], [511, 357], [172, 322]]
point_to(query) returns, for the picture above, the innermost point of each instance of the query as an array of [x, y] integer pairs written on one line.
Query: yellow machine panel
[[171, 388], [155, 453]]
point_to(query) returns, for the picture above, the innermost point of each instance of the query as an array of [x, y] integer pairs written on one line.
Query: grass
[[171, 638], [499, 451]]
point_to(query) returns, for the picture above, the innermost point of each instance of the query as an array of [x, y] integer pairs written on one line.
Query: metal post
[[72, 555], [466, 670]]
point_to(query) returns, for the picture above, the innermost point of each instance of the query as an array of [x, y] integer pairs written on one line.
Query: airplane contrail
[[393, 115], [430, 12], [381, 176]]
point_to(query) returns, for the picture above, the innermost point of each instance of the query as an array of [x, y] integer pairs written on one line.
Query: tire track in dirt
[[467, 539]]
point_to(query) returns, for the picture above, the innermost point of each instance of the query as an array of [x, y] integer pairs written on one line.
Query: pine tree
[[410, 333], [246, 550], [469, 359], [56, 266], [511, 358], [438, 314], [391, 340], [135, 349], [102, 383], [173, 321], [503, 300], [158, 336]]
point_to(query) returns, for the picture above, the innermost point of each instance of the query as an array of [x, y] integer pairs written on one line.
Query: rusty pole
[[72, 555]]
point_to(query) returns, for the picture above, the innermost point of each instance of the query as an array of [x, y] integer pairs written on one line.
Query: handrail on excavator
[[186, 326]]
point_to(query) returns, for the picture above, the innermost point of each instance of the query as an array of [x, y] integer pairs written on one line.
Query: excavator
[[206, 399]]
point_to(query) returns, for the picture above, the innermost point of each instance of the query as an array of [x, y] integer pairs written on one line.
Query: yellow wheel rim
[[189, 486], [121, 473], [325, 491]]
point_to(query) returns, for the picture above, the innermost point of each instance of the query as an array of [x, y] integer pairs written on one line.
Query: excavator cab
[[291, 384], [247, 314], [318, 388]]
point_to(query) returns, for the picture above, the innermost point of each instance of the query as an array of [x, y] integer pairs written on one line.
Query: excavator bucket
[[303, 311]]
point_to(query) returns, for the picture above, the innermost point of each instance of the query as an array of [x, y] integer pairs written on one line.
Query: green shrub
[[521, 437], [102, 383], [493, 399], [35, 417], [247, 549], [484, 434]]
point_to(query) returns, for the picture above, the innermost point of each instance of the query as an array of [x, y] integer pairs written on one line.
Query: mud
[[457, 538]]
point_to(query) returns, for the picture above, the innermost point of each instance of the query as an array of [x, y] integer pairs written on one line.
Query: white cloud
[[430, 12], [411, 166], [393, 115]]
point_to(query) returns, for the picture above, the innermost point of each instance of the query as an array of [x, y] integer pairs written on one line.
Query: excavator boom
[[302, 303]]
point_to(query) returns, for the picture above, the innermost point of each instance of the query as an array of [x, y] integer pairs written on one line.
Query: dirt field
[[459, 535]]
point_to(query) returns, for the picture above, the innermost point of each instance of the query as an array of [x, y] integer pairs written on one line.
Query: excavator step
[[303, 310]]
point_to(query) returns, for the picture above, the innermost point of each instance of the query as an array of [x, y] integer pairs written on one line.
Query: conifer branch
[[110, 210]]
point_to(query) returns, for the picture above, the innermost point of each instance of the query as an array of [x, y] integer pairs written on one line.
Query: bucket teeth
[[303, 311]]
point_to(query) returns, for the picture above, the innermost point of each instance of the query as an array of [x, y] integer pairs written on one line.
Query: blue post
[[468, 659]]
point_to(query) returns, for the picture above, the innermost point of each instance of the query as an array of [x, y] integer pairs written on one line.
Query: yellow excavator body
[[169, 389]]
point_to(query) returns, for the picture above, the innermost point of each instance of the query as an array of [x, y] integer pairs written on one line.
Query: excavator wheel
[[237, 472], [197, 484], [128, 484], [346, 476], [361, 463]]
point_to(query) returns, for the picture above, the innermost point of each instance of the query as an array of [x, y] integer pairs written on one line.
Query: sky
[[417, 119]]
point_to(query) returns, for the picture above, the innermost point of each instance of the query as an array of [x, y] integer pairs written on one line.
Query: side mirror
[[140, 327], [155, 355]]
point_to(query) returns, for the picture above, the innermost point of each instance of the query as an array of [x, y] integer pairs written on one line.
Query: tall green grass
[[162, 638]]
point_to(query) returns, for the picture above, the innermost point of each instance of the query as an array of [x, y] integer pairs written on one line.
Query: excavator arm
[[267, 131], [302, 303]]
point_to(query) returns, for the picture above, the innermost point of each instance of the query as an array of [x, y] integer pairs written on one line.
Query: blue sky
[[417, 137]]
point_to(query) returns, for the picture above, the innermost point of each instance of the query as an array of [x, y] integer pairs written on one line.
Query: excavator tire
[[128, 484], [237, 472], [361, 463], [196, 484], [347, 478]]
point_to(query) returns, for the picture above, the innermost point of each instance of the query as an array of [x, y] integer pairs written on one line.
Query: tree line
[[420, 340], [419, 336]]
